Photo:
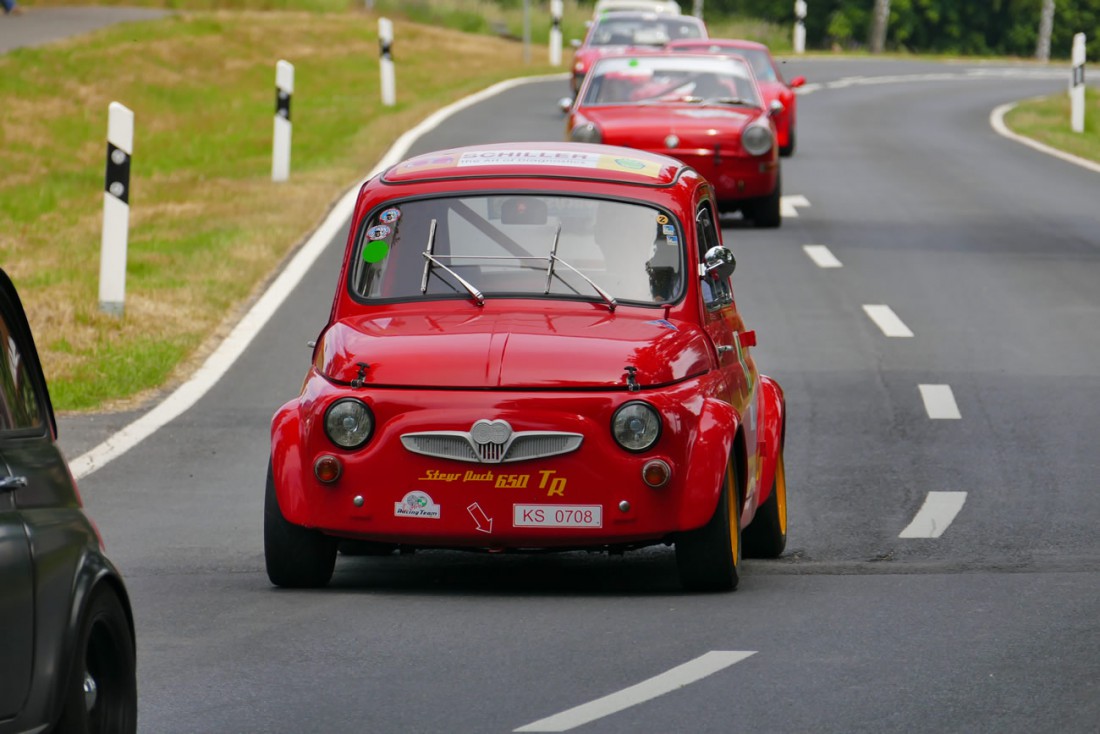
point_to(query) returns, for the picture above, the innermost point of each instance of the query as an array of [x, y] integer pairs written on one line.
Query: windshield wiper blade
[[430, 260], [607, 297], [552, 258], [729, 100]]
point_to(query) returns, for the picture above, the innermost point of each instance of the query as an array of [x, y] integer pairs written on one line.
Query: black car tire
[[105, 655], [709, 559], [765, 212], [766, 535], [786, 151], [295, 557]]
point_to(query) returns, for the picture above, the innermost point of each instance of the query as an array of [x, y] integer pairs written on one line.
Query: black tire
[[786, 151], [709, 559], [766, 535], [764, 212], [100, 696], [295, 557]]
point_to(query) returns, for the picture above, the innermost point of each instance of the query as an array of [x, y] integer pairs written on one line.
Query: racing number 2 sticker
[[557, 516]]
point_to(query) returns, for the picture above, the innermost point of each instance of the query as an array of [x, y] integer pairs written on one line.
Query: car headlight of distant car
[[586, 132], [349, 423], [757, 139], [636, 426]]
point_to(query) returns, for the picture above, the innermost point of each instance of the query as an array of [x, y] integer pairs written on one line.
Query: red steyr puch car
[[768, 76], [621, 32], [704, 109], [533, 346]]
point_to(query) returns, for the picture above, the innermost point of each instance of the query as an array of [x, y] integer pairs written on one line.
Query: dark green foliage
[[994, 27]]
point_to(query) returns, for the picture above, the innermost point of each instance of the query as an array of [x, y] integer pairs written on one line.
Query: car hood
[[647, 126], [504, 346]]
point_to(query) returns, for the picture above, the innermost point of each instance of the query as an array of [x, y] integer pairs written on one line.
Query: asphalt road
[[39, 26], [988, 251]]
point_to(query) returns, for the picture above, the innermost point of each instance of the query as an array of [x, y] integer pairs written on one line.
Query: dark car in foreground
[[67, 659]]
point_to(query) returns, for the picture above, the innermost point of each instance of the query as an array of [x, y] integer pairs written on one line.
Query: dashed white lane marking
[[937, 512], [885, 318], [821, 256], [678, 677], [218, 363], [788, 204], [939, 401]]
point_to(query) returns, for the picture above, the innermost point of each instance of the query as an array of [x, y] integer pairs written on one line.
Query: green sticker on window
[[375, 251]]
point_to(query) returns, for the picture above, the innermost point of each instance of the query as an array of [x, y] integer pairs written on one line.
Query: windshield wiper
[[607, 297], [430, 259], [729, 100]]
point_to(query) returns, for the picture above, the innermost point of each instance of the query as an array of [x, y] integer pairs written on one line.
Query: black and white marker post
[[280, 150], [385, 61], [1077, 85], [116, 209], [555, 32], [799, 27]]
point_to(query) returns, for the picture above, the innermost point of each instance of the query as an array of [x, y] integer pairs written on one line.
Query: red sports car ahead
[[704, 109], [768, 76], [618, 33], [533, 346]]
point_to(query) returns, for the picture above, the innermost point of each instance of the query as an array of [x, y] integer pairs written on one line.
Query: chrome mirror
[[719, 261]]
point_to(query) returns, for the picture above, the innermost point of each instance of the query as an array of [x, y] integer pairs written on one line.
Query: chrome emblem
[[485, 432]]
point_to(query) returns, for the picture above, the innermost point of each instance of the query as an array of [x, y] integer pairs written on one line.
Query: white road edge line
[[218, 363], [997, 120], [671, 680], [821, 256], [939, 402], [937, 512], [888, 321]]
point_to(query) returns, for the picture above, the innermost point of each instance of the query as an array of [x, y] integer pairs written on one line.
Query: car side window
[[20, 407], [717, 292]]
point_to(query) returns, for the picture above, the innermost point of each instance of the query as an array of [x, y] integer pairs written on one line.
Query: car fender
[[772, 433], [286, 462], [707, 460]]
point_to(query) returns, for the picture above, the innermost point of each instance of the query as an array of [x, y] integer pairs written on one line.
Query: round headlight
[[586, 132], [636, 426], [349, 423], [757, 139]]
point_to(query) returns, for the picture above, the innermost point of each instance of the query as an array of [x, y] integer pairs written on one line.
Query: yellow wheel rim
[[781, 493], [734, 514]]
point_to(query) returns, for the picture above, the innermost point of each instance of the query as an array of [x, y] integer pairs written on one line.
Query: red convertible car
[[705, 110], [768, 76], [531, 347], [617, 33]]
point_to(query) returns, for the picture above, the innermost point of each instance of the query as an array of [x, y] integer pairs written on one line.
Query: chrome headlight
[[349, 423], [586, 132], [636, 426], [757, 139]]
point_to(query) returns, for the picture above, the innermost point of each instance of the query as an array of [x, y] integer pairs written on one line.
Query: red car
[[705, 110], [768, 76], [532, 347], [621, 32]]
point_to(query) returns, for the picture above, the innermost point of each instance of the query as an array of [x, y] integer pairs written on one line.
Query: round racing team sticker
[[389, 216], [378, 232]]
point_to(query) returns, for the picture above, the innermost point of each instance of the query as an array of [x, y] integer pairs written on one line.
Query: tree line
[[971, 27]]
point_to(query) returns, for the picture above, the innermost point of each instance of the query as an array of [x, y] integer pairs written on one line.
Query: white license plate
[[557, 516]]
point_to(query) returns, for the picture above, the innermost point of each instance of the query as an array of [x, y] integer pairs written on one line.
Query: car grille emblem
[[491, 442]]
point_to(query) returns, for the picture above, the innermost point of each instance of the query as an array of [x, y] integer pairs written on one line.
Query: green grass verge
[[1047, 120]]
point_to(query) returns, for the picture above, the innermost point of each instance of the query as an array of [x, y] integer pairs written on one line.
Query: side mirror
[[720, 262], [565, 104], [798, 81], [775, 108]]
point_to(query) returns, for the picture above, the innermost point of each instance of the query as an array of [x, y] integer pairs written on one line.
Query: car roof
[[719, 42], [601, 163]]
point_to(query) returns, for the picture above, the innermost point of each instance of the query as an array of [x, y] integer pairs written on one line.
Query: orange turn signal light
[[656, 473], [327, 469]]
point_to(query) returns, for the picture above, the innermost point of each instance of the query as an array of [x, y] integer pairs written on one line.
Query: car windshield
[[653, 79], [759, 61], [519, 245], [647, 31]]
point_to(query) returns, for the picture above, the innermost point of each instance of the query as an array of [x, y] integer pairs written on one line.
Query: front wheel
[[709, 559], [765, 212], [766, 535], [295, 557], [101, 694]]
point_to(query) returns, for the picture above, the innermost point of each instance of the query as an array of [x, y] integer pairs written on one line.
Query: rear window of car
[[519, 245], [655, 79], [613, 31]]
